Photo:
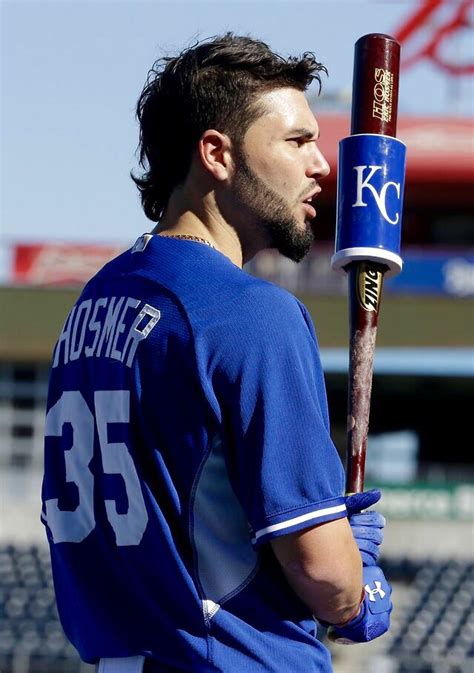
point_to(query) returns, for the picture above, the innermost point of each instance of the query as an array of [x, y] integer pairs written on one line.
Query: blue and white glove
[[373, 619], [367, 527]]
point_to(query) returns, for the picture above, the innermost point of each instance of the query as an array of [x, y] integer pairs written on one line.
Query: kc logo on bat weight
[[380, 197]]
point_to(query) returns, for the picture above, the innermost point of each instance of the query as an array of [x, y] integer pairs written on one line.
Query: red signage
[[427, 32], [438, 148], [60, 264]]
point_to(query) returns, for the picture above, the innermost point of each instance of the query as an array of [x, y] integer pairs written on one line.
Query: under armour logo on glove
[[373, 592], [373, 619]]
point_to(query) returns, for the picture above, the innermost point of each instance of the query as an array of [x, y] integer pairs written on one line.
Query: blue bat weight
[[371, 175]]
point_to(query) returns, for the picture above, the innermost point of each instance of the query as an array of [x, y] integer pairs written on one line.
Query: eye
[[297, 142]]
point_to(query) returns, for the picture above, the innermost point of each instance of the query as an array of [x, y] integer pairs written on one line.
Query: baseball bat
[[374, 111], [368, 244]]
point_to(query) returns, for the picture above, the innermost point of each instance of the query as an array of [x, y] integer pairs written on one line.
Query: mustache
[[306, 192]]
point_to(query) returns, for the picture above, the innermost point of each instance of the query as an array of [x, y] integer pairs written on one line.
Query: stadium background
[[420, 435]]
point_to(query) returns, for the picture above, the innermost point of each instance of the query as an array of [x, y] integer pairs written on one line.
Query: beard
[[271, 212]]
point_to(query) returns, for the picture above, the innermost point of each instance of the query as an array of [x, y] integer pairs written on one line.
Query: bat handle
[[365, 289]]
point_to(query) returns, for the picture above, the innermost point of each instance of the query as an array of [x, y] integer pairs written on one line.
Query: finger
[[368, 559], [375, 535], [359, 501], [368, 519], [369, 551]]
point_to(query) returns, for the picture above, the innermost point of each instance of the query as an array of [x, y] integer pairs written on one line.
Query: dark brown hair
[[213, 84]]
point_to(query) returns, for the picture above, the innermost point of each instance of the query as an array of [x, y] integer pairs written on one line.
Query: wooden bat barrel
[[375, 94]]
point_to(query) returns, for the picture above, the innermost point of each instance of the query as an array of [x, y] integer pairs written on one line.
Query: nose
[[318, 167]]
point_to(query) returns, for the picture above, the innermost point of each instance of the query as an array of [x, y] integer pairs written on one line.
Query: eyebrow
[[303, 132]]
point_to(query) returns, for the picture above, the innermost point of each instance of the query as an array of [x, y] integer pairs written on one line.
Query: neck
[[182, 218]]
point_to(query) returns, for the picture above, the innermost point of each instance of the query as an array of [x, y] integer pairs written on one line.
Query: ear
[[214, 151]]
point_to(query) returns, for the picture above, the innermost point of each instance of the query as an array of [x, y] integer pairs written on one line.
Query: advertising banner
[[59, 264]]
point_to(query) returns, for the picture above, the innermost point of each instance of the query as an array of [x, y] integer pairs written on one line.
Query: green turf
[[31, 318], [403, 321]]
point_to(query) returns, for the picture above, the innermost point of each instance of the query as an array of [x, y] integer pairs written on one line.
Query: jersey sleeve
[[282, 463]]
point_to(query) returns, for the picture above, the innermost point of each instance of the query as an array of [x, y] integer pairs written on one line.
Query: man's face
[[277, 169]]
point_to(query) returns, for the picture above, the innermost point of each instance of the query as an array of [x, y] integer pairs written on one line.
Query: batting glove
[[367, 527], [373, 619]]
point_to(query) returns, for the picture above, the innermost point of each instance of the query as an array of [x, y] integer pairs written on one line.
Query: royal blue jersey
[[187, 425]]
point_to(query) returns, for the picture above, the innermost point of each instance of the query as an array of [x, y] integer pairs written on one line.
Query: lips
[[308, 203]]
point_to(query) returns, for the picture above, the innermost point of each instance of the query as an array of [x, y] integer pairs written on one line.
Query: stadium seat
[[436, 628], [31, 637]]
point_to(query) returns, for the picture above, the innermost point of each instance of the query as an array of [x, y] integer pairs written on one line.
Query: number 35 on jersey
[[110, 407]]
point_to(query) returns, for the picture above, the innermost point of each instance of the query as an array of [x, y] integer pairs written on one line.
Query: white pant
[[121, 665]]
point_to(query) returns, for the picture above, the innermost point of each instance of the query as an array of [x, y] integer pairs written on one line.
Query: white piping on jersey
[[225, 559], [299, 519], [209, 609]]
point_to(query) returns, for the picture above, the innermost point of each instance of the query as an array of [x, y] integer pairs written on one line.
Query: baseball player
[[192, 496]]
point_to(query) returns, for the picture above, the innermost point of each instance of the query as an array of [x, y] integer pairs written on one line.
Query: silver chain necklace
[[190, 237]]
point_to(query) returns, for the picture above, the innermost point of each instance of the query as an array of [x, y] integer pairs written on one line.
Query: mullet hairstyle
[[211, 85]]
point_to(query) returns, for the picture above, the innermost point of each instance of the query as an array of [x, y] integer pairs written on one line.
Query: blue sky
[[73, 69]]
